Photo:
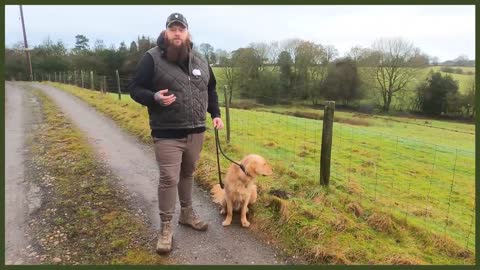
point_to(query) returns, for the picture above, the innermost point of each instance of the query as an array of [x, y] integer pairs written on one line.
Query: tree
[[81, 44], [438, 95], [310, 70], [99, 45], [393, 64], [50, 57], [461, 60], [468, 99], [273, 52], [262, 51], [207, 51], [15, 62], [123, 48], [248, 61], [133, 47], [248, 66], [221, 56], [342, 81], [330, 53], [285, 63], [213, 58], [356, 53], [290, 45], [267, 85], [229, 73]]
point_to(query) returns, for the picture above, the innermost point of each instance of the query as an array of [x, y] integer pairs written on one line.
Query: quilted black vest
[[190, 107]]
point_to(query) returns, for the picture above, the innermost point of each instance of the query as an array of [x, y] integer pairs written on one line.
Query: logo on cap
[[176, 17]]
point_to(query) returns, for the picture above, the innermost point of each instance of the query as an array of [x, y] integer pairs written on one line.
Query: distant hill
[[461, 63]]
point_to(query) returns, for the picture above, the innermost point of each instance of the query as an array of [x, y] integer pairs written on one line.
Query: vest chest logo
[[196, 72]]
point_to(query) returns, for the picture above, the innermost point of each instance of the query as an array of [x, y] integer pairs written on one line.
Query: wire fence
[[424, 184], [87, 79]]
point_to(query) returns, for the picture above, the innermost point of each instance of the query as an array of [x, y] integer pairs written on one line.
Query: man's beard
[[177, 54]]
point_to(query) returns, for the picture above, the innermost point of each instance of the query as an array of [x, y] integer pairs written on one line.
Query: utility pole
[[29, 62]]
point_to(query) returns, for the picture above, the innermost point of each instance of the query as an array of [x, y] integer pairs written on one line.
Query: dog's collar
[[244, 170]]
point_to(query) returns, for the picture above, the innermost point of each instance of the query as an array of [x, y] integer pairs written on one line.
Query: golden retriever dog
[[240, 190]]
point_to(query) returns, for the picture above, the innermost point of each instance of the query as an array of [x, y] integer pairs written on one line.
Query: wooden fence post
[[91, 80], [227, 112], [118, 85], [105, 88], [81, 77], [326, 151]]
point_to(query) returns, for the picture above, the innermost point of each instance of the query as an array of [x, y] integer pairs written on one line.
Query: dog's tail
[[217, 193]]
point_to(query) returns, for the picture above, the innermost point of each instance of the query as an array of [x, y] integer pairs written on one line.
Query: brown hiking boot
[[190, 218], [164, 243]]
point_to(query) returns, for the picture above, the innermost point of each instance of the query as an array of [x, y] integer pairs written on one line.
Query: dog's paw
[[245, 224], [222, 211], [226, 223]]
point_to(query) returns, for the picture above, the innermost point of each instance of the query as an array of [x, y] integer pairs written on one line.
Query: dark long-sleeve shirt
[[141, 90]]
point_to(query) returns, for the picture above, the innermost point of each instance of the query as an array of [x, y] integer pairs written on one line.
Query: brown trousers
[[177, 160]]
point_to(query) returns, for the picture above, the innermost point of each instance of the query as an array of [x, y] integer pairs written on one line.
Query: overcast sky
[[442, 31]]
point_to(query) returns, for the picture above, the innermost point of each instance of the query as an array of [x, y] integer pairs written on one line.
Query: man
[[178, 87]]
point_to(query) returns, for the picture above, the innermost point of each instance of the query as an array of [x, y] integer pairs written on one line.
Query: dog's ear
[[250, 165]]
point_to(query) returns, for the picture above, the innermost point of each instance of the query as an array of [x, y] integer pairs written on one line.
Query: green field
[[402, 189], [406, 170]]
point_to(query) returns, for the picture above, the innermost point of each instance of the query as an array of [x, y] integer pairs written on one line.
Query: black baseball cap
[[176, 17]]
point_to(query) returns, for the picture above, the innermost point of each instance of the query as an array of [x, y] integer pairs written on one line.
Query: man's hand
[[217, 123], [164, 100]]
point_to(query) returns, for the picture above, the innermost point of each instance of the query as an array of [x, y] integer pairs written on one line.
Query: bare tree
[[290, 45], [207, 51], [358, 54], [228, 68], [274, 52], [393, 64], [99, 45], [330, 53], [262, 51], [461, 60], [221, 56]]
